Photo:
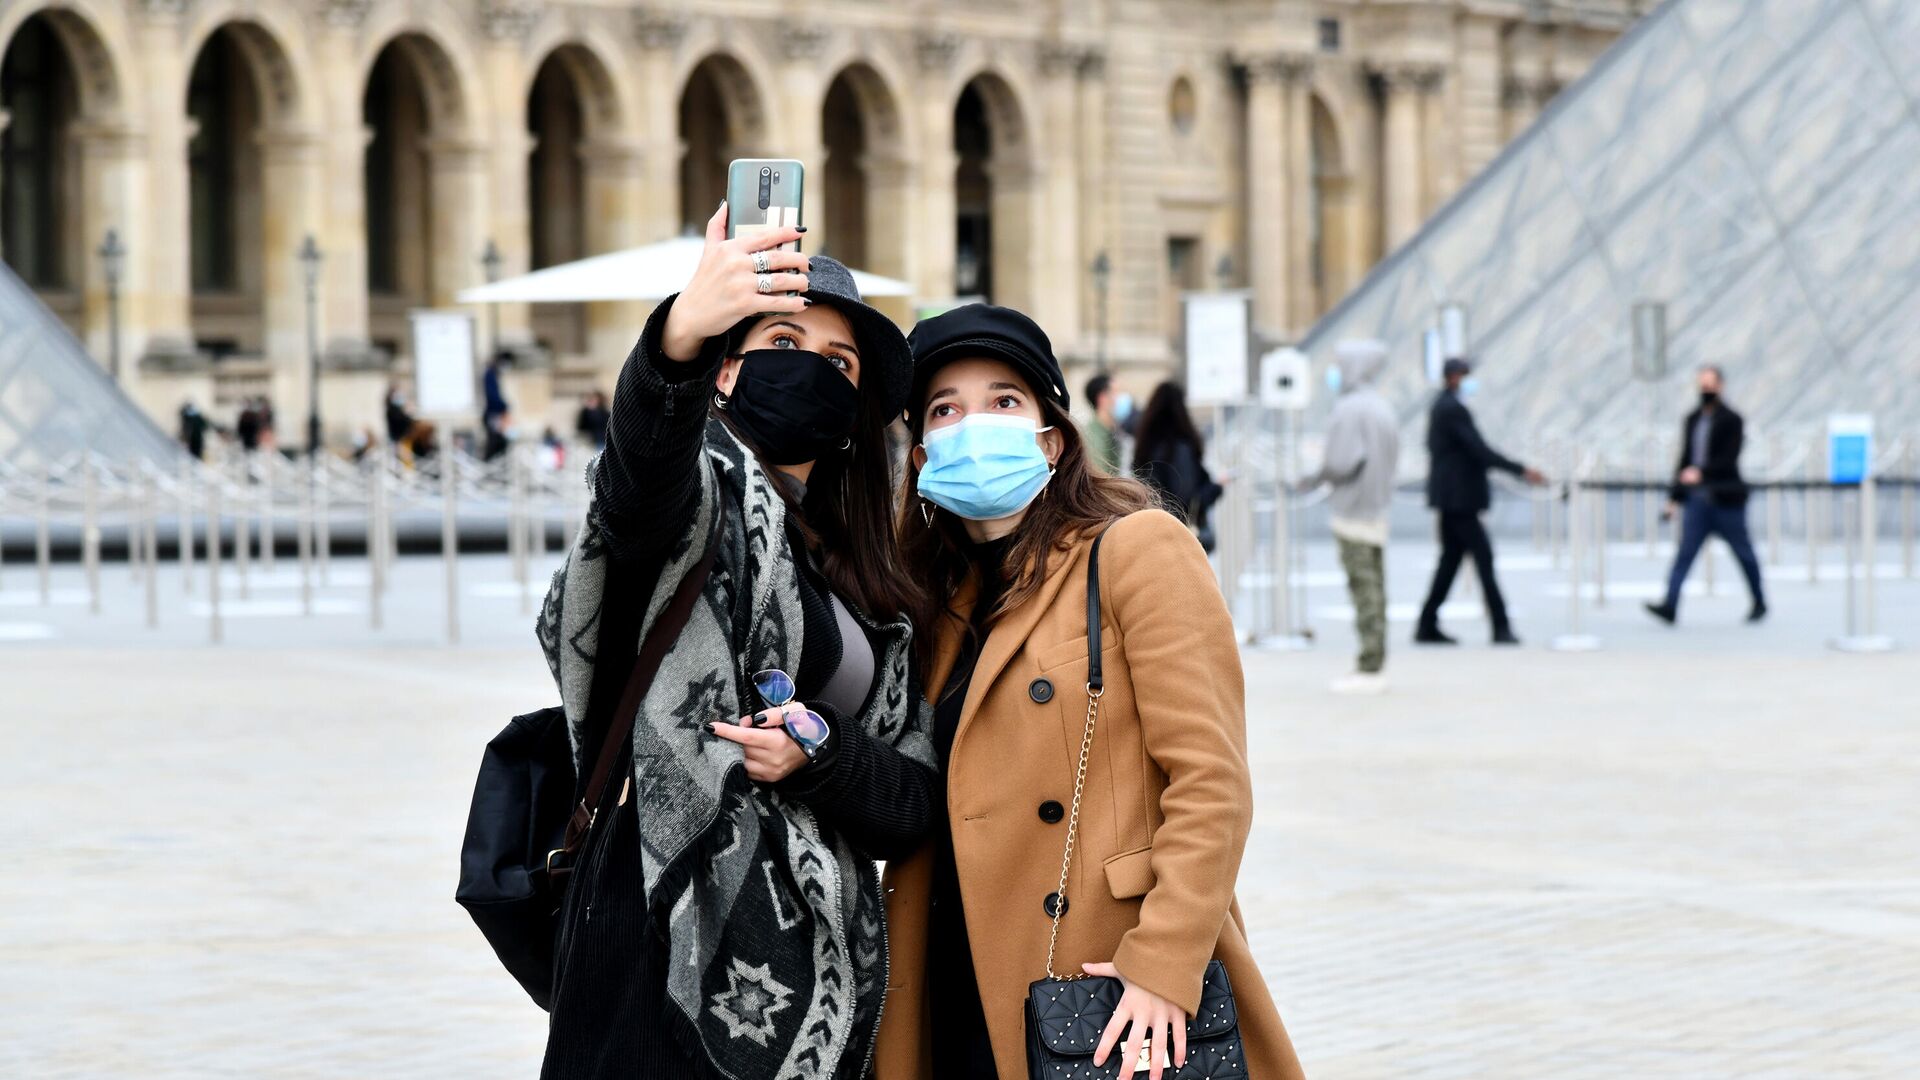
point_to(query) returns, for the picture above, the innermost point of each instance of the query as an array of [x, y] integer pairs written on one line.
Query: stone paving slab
[[1687, 856]]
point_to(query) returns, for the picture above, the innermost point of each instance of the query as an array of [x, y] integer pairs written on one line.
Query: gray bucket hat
[[885, 362]]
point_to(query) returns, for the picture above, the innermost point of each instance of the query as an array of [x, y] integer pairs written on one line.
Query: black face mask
[[793, 405], [1709, 398]]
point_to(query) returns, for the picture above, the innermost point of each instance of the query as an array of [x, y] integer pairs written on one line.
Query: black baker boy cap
[[986, 330]]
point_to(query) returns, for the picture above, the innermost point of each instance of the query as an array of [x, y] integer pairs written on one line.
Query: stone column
[[615, 183], [506, 217], [1057, 299], [1094, 195], [1404, 164], [1017, 233], [290, 163], [1270, 214], [933, 272], [167, 254], [1300, 183], [458, 180], [342, 233], [113, 163], [802, 131], [659, 34], [1440, 141]]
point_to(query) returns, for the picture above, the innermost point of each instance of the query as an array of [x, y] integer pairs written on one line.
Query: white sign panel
[[1286, 380], [1217, 335], [443, 369], [1434, 355]]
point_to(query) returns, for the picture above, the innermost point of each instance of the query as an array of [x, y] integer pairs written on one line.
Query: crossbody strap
[[1096, 688], [660, 637]]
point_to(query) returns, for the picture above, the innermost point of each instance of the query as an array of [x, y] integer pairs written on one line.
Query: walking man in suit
[[1708, 485], [1457, 489]]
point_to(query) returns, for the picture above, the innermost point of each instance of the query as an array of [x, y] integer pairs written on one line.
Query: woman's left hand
[[1158, 1022], [771, 753]]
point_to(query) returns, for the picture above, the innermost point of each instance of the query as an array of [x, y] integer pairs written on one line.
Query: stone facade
[[993, 147]]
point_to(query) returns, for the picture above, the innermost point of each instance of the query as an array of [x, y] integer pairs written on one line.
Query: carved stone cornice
[[659, 29], [936, 51], [162, 9], [509, 20], [345, 14], [1410, 77], [804, 41], [1285, 68], [1070, 58]]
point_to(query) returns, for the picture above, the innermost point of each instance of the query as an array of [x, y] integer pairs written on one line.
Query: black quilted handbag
[[1066, 1014]]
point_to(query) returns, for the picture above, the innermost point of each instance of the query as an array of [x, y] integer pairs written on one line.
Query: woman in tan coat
[[1002, 511]]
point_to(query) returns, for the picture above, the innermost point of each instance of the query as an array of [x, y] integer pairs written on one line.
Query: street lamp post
[[113, 258], [1102, 277], [490, 264], [309, 256]]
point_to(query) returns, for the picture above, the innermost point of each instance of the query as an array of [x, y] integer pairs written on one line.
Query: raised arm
[[1467, 433], [880, 799]]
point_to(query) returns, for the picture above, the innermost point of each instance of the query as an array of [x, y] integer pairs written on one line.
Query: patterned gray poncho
[[776, 944]]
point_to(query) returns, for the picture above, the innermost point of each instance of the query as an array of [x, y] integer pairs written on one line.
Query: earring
[[926, 513], [846, 444], [720, 401]]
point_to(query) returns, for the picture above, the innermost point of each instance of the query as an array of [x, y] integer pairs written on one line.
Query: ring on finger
[[760, 263], [763, 282]]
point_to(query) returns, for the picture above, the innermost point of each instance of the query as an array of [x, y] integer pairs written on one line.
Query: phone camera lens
[[765, 169], [776, 178]]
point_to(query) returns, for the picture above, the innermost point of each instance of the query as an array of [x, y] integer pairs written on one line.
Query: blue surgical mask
[[1123, 408], [1333, 380], [985, 467], [1469, 386]]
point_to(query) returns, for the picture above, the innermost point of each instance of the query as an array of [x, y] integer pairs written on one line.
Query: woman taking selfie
[[1003, 516], [724, 916]]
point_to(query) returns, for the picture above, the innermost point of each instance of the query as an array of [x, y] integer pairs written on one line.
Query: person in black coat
[[1707, 483], [1169, 457], [1457, 489]]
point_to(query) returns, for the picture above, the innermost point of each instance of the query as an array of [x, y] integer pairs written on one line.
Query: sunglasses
[[808, 729]]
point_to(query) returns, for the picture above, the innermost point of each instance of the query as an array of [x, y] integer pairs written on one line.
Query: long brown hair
[[844, 516], [1078, 500]]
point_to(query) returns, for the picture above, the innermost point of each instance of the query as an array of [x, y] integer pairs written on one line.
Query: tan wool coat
[[1163, 820]]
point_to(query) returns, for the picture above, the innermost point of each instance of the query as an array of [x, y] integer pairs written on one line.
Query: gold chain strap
[[1073, 828]]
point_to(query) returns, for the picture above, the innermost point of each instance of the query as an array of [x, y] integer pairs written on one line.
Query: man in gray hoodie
[[1361, 462]]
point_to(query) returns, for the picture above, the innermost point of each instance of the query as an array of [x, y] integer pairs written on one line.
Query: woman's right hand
[[725, 286]]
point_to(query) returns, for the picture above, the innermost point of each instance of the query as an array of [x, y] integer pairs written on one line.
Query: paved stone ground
[[1688, 855]]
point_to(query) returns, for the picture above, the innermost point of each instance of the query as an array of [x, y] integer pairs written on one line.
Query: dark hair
[[844, 517], [1078, 500], [1097, 386], [1165, 421]]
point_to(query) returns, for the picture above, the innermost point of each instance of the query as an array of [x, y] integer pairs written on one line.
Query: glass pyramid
[[55, 401], [1752, 164]]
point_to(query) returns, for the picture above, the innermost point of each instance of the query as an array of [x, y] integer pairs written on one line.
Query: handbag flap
[[1068, 1016]]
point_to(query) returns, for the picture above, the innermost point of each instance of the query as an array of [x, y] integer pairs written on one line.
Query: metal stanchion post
[[213, 555], [42, 539], [376, 538], [1575, 640], [185, 526], [151, 542], [267, 530], [1908, 481], [243, 528], [303, 540], [1600, 496], [1869, 556], [90, 530], [1653, 500], [1807, 505], [450, 542], [323, 521], [516, 527]]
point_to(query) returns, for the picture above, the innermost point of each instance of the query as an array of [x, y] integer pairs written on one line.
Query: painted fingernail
[[799, 228]]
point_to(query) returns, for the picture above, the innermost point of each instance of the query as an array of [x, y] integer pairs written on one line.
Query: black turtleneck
[[961, 1047]]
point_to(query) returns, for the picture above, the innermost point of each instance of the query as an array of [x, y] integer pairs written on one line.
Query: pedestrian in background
[[496, 414], [1457, 490], [1712, 495], [591, 424], [1361, 461], [1103, 434], [1169, 456], [193, 430]]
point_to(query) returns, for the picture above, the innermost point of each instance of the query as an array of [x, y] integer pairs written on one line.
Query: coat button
[[1051, 812], [1053, 900], [1040, 690]]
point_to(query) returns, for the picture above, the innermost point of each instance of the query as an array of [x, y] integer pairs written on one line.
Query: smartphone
[[763, 194]]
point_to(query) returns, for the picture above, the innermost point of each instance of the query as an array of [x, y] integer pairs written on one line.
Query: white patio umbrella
[[653, 272]]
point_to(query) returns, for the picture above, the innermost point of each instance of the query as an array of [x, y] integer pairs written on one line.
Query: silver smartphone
[[763, 194]]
